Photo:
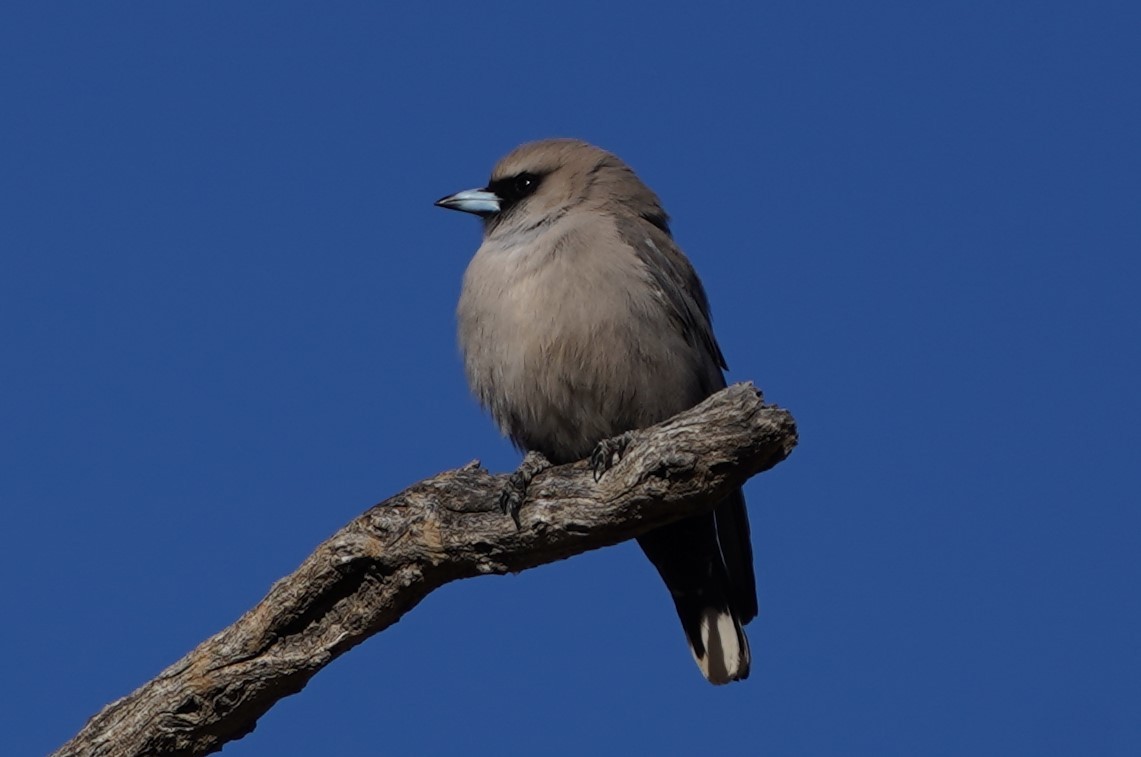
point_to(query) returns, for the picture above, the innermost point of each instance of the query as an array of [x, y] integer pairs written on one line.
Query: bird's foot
[[515, 490], [608, 452]]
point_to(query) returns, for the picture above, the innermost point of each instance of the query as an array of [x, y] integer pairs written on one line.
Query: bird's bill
[[479, 201]]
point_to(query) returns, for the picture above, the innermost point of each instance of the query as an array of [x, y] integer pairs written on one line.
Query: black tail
[[707, 564]]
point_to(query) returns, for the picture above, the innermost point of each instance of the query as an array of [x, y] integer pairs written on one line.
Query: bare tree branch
[[382, 564]]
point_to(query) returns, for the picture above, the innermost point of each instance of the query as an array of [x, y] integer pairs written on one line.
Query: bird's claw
[[608, 452], [511, 499], [515, 490]]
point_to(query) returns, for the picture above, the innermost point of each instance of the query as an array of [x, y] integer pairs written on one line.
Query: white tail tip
[[726, 656]]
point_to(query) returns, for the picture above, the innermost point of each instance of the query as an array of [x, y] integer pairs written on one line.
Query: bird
[[579, 320]]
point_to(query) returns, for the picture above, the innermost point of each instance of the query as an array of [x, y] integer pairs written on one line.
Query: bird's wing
[[684, 296], [678, 286]]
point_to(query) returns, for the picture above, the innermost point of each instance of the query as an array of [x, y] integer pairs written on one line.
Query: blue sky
[[226, 310]]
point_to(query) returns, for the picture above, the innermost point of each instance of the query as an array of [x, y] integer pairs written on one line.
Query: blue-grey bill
[[478, 201]]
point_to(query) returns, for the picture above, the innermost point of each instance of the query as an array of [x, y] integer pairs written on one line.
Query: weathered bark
[[380, 565]]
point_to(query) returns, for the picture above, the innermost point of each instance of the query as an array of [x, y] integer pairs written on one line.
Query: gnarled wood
[[380, 565]]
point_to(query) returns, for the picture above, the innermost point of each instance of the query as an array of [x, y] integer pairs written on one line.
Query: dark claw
[[608, 452], [512, 496], [515, 490]]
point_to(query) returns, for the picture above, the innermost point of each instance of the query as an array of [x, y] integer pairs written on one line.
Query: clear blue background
[[226, 319]]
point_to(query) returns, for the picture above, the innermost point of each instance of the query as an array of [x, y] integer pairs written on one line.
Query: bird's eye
[[512, 189], [524, 184]]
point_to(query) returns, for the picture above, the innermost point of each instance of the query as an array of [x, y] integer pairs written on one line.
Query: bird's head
[[537, 183]]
